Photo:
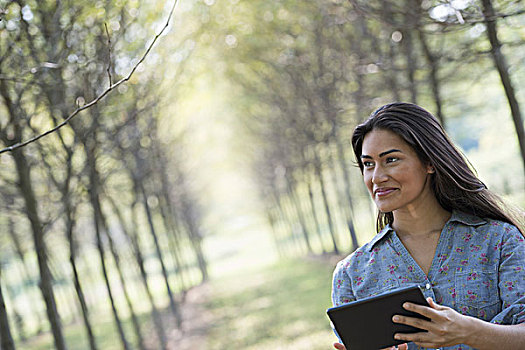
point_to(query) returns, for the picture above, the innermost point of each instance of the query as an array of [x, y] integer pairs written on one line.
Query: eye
[[392, 159], [368, 164]]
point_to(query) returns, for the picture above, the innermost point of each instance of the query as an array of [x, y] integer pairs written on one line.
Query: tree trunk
[[318, 228], [97, 218], [26, 190], [501, 64], [116, 258], [173, 237], [194, 234], [70, 222], [434, 79], [24, 273], [391, 68], [291, 217], [137, 253], [169, 215], [360, 94], [346, 189], [173, 304], [408, 47], [38, 238], [196, 242], [432, 60], [81, 299], [6, 340], [272, 220], [322, 184], [392, 78], [18, 321], [282, 218], [297, 205]]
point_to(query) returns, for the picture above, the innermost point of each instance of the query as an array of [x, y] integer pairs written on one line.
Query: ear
[[430, 169]]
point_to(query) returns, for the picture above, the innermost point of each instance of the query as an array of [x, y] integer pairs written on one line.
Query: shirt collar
[[456, 216], [467, 219], [383, 233]]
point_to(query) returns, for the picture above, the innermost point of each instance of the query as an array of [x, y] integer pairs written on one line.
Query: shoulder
[[343, 264], [473, 232], [487, 226], [503, 229], [362, 256]]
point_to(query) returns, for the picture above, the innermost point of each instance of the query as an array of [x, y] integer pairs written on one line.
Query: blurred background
[[204, 202]]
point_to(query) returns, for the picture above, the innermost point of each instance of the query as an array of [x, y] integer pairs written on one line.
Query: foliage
[[101, 208], [109, 210], [302, 74]]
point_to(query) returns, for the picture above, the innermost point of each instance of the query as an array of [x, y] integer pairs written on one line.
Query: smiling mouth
[[382, 192]]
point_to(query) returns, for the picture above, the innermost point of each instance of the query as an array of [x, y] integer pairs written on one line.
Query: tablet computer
[[367, 324]]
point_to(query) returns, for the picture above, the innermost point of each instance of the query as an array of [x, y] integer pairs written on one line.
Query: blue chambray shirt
[[478, 270]]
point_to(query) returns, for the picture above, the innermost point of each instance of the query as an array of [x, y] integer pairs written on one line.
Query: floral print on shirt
[[478, 269]]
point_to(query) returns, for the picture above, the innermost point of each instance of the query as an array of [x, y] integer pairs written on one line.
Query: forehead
[[380, 140]]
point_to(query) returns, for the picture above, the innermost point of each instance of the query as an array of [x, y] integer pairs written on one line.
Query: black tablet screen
[[367, 323]]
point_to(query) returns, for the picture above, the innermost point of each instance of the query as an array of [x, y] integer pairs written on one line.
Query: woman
[[440, 227]]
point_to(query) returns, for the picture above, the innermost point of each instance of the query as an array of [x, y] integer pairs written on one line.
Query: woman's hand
[[340, 346], [445, 328]]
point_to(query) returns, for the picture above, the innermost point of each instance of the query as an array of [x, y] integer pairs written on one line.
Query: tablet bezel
[[358, 330]]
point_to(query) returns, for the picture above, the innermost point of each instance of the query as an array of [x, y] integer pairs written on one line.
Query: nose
[[379, 175]]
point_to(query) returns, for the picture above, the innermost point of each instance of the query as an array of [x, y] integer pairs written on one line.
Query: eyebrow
[[382, 154]]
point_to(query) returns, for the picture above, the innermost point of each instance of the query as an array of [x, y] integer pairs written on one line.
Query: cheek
[[367, 179]]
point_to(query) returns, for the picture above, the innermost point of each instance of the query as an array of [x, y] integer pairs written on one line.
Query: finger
[[414, 322], [339, 346], [421, 337], [426, 311]]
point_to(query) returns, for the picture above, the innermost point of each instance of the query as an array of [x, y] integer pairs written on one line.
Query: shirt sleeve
[[341, 289], [341, 285], [512, 278]]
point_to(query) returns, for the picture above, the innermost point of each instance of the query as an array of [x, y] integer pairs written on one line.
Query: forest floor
[[279, 306], [196, 323], [272, 306]]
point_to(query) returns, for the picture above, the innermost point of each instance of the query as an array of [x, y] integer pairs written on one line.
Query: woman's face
[[393, 173]]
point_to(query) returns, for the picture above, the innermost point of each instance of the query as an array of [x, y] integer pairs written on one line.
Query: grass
[[279, 306], [75, 335], [274, 306]]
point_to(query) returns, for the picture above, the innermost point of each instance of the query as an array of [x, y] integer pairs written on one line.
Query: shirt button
[[427, 286]]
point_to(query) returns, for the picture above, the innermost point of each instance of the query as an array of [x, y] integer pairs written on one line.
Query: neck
[[423, 220]]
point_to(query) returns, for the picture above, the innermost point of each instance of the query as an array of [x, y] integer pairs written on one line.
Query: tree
[[6, 340], [501, 65]]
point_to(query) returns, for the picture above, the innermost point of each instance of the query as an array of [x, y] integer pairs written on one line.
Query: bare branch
[[109, 55], [99, 97]]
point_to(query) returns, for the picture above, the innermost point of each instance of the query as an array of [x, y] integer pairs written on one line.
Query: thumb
[[339, 346]]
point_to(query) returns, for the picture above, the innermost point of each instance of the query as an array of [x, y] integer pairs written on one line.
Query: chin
[[385, 208]]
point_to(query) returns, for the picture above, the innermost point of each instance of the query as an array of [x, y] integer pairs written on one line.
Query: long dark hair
[[454, 182]]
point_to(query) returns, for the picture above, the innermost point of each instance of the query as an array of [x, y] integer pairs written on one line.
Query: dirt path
[[196, 321], [270, 298]]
